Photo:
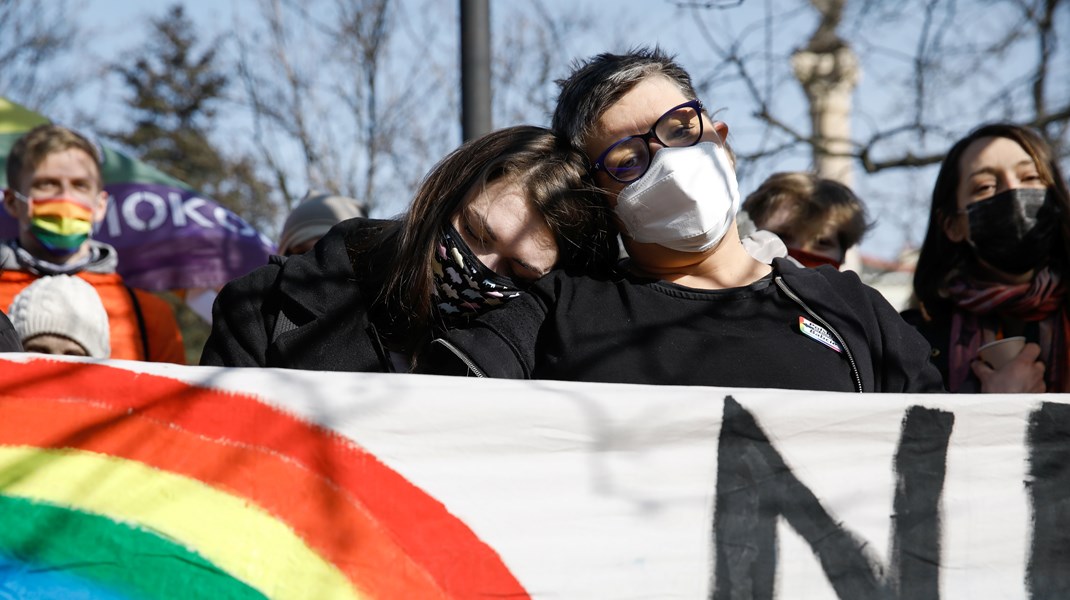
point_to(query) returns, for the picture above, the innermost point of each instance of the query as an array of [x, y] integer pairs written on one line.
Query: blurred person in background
[[818, 219], [994, 263], [60, 314], [56, 193], [312, 218]]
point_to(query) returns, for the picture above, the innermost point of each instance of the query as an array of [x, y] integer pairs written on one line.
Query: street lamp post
[[475, 68]]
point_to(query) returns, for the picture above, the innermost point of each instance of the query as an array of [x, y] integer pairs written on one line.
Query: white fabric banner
[[605, 491]]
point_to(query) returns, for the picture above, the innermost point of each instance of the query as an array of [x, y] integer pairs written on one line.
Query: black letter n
[[755, 486]]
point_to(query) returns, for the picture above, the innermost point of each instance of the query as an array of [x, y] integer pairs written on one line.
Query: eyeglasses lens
[[679, 128], [629, 159]]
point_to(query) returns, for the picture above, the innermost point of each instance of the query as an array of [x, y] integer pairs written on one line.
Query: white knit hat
[[63, 305], [314, 216]]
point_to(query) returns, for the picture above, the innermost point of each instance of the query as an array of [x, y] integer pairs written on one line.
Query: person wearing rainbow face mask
[[56, 192]]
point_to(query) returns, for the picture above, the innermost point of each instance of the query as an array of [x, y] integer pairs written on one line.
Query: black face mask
[[1013, 231], [464, 287]]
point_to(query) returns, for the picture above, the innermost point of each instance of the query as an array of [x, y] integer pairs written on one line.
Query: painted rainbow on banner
[[116, 484]]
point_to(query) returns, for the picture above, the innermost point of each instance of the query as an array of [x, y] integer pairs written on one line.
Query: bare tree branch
[[35, 36], [931, 62]]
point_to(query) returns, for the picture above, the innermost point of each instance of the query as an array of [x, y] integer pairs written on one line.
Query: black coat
[[9, 339], [312, 311], [937, 332]]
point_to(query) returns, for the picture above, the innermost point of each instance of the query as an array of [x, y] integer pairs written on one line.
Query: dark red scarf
[[981, 304]]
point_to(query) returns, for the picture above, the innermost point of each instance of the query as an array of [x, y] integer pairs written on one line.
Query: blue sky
[[121, 27]]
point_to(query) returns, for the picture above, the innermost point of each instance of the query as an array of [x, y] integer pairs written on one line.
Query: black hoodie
[[797, 328]]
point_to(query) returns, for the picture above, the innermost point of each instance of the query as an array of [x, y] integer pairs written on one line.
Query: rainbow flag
[[169, 237]]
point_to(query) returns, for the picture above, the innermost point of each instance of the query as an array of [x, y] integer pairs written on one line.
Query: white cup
[[1001, 352]]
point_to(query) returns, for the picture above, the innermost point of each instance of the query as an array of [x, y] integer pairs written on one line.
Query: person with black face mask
[[492, 217], [994, 262]]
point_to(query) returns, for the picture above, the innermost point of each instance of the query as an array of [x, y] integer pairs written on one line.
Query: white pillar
[[829, 78]]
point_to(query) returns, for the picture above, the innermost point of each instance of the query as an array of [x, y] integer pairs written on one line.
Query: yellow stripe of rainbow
[[225, 529]]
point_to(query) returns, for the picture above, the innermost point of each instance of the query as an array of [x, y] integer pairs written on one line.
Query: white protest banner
[[137, 480]]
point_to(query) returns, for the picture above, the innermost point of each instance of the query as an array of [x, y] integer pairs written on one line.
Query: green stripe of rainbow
[[225, 530], [131, 562]]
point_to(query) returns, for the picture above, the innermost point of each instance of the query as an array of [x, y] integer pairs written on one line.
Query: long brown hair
[[552, 174], [939, 255]]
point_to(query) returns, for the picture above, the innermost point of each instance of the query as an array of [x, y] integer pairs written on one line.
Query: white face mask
[[686, 200]]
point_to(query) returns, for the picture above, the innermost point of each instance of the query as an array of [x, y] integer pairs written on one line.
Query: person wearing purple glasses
[[689, 306]]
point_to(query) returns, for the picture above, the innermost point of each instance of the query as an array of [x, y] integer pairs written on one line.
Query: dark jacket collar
[[346, 264], [102, 258]]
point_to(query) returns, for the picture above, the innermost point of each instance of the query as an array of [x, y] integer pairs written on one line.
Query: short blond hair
[[31, 149]]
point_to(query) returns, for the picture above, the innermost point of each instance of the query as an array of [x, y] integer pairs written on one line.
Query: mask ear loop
[[948, 225], [27, 200], [966, 237]]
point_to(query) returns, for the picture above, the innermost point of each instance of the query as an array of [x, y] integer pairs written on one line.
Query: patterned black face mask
[[1013, 231], [464, 287]]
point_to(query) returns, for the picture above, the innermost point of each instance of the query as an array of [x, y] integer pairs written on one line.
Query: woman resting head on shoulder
[[493, 216], [994, 263]]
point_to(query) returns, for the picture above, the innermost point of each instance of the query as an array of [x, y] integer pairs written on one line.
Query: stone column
[[828, 77]]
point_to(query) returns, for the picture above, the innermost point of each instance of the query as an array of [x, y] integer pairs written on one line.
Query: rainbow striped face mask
[[61, 224]]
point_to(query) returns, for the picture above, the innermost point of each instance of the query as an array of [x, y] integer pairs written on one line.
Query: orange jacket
[[161, 328]]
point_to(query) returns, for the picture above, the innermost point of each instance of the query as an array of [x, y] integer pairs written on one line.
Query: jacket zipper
[[461, 355], [850, 358]]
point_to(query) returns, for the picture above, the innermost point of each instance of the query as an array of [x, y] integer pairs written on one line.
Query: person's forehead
[[636, 111], [488, 194], [70, 162], [54, 343], [506, 207], [505, 202], [992, 152]]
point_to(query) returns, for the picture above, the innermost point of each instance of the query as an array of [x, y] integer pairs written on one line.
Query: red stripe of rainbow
[[61, 208]]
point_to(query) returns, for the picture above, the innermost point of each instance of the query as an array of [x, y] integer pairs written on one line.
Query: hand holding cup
[[1010, 366], [1000, 352]]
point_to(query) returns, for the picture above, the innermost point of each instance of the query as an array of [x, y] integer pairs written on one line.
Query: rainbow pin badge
[[816, 332]]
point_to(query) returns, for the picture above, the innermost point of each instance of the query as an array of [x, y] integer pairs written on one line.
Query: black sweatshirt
[[813, 329]]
